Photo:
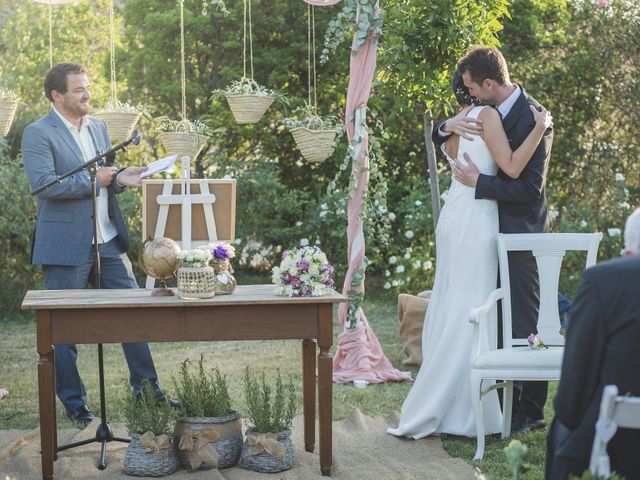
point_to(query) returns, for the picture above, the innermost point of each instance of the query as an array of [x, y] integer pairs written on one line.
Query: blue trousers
[[116, 272]]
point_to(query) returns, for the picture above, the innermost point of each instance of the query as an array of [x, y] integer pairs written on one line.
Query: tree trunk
[[433, 167]]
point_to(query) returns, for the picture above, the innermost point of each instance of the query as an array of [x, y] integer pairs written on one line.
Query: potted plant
[[121, 118], [8, 104], [151, 452], [248, 100], [222, 253], [183, 138], [208, 432], [195, 277], [270, 408], [314, 135]]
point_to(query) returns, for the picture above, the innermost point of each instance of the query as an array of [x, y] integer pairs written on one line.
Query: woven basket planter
[[315, 145], [228, 446], [7, 112], [195, 282], [140, 462], [249, 108], [119, 124], [183, 143], [265, 463]]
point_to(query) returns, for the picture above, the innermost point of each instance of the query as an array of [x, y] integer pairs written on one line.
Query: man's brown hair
[[56, 78], [483, 63]]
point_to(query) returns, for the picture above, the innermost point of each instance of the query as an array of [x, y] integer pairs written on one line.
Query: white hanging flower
[[387, 273], [407, 256], [382, 209], [400, 269], [392, 216], [237, 241], [324, 206], [387, 286], [409, 234], [619, 177], [427, 265], [392, 259], [416, 264], [323, 213], [317, 242], [583, 223], [394, 283], [625, 190], [553, 214], [625, 206], [614, 232], [304, 242], [298, 223], [418, 203]]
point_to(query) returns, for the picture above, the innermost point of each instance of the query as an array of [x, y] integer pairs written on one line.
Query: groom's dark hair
[[56, 78], [485, 63]]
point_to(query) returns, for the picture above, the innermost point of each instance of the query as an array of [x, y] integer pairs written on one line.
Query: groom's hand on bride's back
[[463, 125]]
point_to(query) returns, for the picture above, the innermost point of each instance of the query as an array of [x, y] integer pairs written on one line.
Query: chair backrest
[[615, 412], [549, 250]]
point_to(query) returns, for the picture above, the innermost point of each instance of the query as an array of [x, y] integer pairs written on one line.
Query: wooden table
[[252, 312]]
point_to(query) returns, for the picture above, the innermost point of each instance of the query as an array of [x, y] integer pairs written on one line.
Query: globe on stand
[[159, 257]]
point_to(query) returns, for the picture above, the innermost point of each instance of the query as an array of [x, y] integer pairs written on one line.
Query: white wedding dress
[[466, 272]]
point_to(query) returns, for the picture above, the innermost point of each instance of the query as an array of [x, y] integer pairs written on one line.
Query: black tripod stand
[[104, 433]]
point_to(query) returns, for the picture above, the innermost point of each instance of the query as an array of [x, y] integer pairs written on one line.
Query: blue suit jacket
[[64, 227]]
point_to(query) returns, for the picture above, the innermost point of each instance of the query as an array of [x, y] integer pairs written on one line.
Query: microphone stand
[[104, 433]]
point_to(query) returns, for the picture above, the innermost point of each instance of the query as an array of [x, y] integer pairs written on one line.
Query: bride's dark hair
[[461, 91]]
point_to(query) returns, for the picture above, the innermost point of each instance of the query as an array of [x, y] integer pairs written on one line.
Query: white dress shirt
[[106, 230]]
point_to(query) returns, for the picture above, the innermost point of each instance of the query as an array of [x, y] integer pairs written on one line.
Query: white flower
[[392, 216], [427, 265], [409, 234], [237, 241], [392, 259], [382, 209], [553, 214], [400, 269], [317, 242], [625, 206], [387, 273], [614, 232], [407, 256], [387, 286], [619, 177], [323, 213], [416, 264], [324, 206], [583, 223], [304, 242], [394, 283], [625, 190], [418, 203], [298, 223]]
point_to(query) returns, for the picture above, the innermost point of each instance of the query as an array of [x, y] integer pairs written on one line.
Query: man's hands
[[463, 125], [105, 175], [467, 174], [130, 177]]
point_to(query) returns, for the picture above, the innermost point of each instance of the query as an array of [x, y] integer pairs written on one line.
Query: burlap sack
[[411, 312]]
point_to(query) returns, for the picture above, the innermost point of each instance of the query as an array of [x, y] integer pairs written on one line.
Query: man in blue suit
[[63, 240]]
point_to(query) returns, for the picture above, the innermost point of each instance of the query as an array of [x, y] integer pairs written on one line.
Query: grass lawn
[[18, 374]]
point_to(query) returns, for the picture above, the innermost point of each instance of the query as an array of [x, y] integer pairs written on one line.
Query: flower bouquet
[[8, 104], [196, 279], [303, 272], [221, 253]]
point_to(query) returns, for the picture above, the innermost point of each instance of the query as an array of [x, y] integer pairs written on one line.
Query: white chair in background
[[515, 361], [615, 411]]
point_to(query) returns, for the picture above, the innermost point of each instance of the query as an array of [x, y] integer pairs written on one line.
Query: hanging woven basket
[[119, 124], [315, 145], [183, 143], [7, 112], [249, 108]]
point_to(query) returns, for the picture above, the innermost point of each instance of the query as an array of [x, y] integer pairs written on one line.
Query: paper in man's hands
[[162, 165]]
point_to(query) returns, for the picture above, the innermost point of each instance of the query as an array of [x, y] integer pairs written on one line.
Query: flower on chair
[[535, 343]]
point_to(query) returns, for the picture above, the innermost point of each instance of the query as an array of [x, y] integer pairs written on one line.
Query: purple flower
[[220, 252], [531, 339], [295, 281], [303, 265], [306, 291]]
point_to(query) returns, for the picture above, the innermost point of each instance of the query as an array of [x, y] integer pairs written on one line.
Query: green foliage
[[165, 124], [144, 413], [271, 408], [247, 86], [307, 116], [587, 475], [202, 394], [515, 453]]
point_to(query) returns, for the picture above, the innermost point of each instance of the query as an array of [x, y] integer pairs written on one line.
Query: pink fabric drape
[[359, 355]]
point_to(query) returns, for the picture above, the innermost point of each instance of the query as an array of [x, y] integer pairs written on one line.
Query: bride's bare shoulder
[[488, 114]]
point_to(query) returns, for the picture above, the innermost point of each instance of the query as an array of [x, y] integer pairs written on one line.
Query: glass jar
[[225, 282], [196, 282]]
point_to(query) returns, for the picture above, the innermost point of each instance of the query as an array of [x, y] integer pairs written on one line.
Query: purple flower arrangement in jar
[[222, 253], [303, 272]]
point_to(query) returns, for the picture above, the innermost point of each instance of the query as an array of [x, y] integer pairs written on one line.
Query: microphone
[[110, 155]]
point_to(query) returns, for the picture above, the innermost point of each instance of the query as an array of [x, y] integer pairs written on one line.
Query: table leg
[[309, 392], [46, 387], [325, 387]]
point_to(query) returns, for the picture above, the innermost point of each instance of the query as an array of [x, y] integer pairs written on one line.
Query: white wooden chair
[[615, 411], [515, 360]]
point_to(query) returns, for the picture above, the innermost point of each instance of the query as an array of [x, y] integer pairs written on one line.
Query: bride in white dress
[[466, 272]]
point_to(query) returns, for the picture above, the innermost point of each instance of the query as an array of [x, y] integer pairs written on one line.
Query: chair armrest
[[481, 312]]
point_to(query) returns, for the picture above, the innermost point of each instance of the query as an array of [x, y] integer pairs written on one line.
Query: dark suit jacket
[[602, 348], [522, 203], [64, 227]]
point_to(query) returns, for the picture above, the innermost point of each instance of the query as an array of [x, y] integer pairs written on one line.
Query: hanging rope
[[311, 64], [182, 63], [114, 88], [247, 12], [50, 34]]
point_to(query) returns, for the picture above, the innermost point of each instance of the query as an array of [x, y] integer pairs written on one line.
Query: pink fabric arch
[[359, 355]]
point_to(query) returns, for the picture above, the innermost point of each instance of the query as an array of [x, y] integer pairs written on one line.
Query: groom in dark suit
[[63, 236], [601, 349], [522, 204]]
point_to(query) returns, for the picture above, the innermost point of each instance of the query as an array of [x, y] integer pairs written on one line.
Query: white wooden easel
[[185, 199]]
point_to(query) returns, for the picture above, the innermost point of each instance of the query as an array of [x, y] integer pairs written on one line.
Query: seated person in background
[[601, 349]]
